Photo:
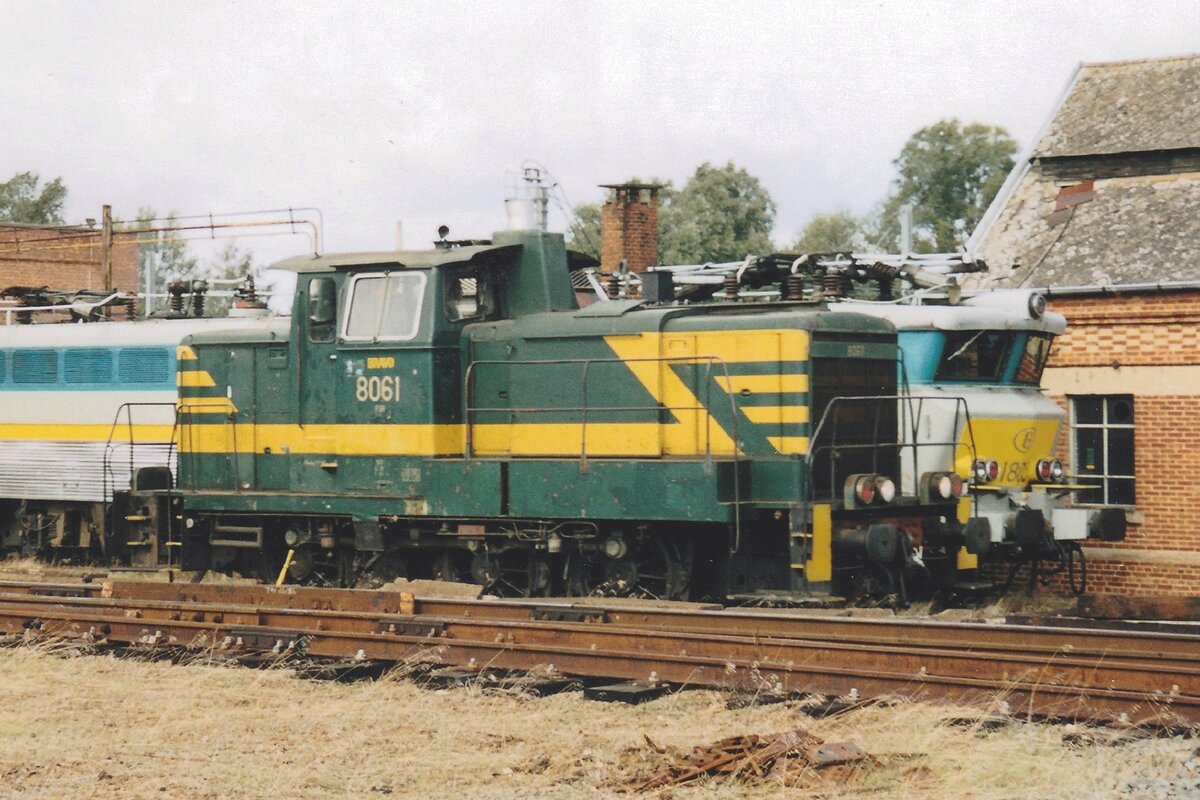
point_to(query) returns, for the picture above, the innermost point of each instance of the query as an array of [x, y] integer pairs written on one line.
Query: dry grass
[[106, 727], [13, 568], [103, 727]]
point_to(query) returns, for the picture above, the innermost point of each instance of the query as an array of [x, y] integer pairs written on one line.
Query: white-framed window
[[1102, 448], [384, 307]]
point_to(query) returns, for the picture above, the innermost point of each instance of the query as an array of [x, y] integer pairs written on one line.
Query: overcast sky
[[422, 112]]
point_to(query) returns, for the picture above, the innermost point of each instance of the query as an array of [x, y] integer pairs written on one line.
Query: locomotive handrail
[[107, 474], [961, 407], [126, 410], [470, 411], [833, 446]]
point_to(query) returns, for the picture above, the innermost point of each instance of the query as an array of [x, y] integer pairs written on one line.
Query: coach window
[[1102, 443], [384, 308], [322, 309]]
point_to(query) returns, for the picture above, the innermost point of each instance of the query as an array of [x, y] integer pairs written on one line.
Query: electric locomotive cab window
[[385, 307], [974, 355], [1033, 359]]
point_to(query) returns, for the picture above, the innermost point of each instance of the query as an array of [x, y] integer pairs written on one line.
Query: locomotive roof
[[108, 334], [636, 316], [951, 318], [480, 254]]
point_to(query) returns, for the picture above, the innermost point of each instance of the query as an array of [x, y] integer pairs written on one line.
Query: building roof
[[1127, 106], [1109, 194], [1132, 230]]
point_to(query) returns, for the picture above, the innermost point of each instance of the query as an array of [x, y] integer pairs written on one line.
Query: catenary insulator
[[793, 286]]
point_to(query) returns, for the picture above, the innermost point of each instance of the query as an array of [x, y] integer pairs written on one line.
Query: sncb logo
[[1024, 438]]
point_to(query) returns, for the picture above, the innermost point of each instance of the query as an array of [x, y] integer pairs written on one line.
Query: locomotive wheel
[[654, 571], [301, 568], [445, 567], [485, 569], [583, 573], [661, 574], [512, 573], [390, 567]]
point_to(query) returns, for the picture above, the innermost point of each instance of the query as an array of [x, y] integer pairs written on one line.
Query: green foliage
[[827, 233], [584, 234], [949, 173], [22, 201], [722, 214], [231, 263], [162, 254]]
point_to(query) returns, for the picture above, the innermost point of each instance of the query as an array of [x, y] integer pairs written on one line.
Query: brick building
[[1104, 212], [67, 257]]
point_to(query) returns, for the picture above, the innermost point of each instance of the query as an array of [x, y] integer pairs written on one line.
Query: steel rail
[[1164, 690], [786, 624]]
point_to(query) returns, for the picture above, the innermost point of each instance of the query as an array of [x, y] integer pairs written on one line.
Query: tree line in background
[[947, 172], [162, 253]]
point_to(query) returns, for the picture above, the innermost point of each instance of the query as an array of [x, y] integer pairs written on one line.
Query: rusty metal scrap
[[796, 758]]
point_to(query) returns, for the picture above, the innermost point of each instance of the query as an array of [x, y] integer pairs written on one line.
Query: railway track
[[1078, 673]]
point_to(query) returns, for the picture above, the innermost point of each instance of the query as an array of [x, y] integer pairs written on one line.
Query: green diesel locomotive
[[454, 414]]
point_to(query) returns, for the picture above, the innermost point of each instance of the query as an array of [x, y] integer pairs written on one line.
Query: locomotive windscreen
[[860, 432]]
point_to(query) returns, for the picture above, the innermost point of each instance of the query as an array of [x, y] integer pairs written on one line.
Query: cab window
[[469, 297], [1033, 360], [384, 307], [322, 309], [974, 356]]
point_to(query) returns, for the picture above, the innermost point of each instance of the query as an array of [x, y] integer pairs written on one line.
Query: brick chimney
[[629, 226]]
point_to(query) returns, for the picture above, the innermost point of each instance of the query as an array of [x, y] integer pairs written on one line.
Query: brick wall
[[1146, 345], [65, 258], [629, 227], [1143, 329]]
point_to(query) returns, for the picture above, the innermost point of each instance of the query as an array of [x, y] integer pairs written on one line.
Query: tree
[[162, 255], [826, 233], [721, 214], [232, 263], [949, 173], [584, 233], [22, 201]]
